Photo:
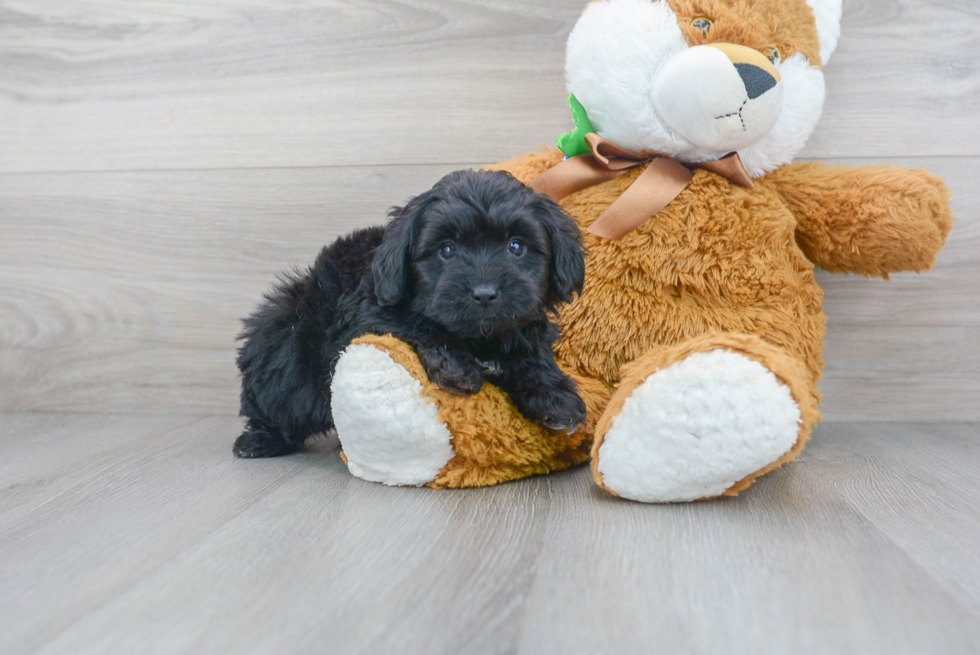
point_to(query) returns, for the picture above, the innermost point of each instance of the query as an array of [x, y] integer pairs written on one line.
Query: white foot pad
[[697, 427], [389, 431]]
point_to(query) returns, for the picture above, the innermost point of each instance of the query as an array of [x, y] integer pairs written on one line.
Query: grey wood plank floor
[[141, 534]]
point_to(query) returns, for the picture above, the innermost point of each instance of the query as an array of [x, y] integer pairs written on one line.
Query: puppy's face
[[481, 269], [481, 255]]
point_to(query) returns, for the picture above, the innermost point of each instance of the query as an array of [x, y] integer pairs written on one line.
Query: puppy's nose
[[485, 294]]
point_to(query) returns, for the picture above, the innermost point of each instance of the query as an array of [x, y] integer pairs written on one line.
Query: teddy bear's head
[[699, 79]]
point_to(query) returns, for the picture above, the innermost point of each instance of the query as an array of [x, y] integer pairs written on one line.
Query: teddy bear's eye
[[774, 55], [702, 23]]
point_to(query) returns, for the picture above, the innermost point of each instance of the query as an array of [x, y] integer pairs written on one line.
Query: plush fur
[[691, 450], [827, 15], [372, 391], [466, 273], [624, 62], [722, 263], [712, 304], [491, 441]]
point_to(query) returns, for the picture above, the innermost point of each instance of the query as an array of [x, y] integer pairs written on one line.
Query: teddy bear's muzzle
[[721, 97]]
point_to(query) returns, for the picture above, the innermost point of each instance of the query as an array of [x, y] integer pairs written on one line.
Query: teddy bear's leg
[[398, 428], [702, 419]]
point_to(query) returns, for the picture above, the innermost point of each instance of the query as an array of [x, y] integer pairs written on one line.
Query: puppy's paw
[[261, 443], [558, 409], [455, 372]]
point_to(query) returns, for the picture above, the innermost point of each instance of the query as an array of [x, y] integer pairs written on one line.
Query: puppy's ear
[[567, 253], [391, 261]]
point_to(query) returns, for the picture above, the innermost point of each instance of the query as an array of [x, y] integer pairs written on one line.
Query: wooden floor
[[140, 534], [161, 161]]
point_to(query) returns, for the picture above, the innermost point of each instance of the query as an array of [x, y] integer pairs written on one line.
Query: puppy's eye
[[516, 247], [774, 55], [702, 23], [447, 250]]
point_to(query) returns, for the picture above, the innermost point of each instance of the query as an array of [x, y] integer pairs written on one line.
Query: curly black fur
[[466, 273]]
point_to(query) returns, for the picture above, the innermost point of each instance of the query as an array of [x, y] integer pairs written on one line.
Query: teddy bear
[[696, 341]]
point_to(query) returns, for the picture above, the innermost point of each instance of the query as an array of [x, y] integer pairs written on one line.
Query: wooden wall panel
[[122, 291], [160, 162], [104, 85]]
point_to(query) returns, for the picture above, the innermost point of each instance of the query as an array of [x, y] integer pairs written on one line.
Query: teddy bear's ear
[[828, 14]]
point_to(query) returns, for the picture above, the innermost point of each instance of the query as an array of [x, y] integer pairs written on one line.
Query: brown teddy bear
[[697, 340]]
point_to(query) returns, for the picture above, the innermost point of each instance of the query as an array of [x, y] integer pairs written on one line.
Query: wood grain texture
[[236, 137], [142, 534], [123, 291], [176, 84]]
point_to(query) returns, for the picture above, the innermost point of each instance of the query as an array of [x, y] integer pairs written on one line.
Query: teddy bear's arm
[[871, 220], [527, 167]]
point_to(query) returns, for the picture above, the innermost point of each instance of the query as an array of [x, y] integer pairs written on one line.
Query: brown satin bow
[[662, 181]]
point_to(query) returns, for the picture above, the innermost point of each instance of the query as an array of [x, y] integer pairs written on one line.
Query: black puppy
[[466, 273]]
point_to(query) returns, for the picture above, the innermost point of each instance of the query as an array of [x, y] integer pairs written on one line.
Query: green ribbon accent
[[573, 143]]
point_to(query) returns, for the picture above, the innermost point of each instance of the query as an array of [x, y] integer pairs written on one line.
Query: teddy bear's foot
[[690, 425], [398, 427], [390, 432]]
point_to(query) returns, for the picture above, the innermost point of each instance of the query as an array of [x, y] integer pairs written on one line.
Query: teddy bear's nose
[[719, 96], [756, 80]]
